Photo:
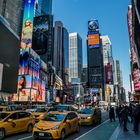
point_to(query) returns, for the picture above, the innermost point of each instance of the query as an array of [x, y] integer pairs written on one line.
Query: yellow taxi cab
[[40, 112], [15, 122], [56, 125], [90, 116], [3, 108]]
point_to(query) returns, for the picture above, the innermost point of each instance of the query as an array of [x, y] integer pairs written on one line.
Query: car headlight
[[88, 117], [55, 127]]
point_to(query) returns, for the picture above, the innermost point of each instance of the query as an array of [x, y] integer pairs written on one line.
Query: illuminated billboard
[[93, 40], [27, 27], [108, 74], [24, 81], [23, 96], [136, 78]]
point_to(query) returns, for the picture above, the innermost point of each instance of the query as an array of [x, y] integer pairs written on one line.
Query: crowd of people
[[126, 114]]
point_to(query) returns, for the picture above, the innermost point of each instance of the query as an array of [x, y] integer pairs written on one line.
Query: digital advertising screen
[[43, 85], [24, 61], [34, 95], [24, 95], [93, 40], [27, 27], [37, 96], [136, 78], [24, 81], [108, 74], [35, 83]]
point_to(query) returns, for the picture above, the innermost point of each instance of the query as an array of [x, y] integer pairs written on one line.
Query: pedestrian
[[112, 114], [124, 117], [119, 114], [135, 115], [117, 111]]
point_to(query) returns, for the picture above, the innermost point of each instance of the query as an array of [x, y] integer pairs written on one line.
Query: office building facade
[[13, 13], [95, 60], [43, 7], [58, 48], [75, 56], [108, 68]]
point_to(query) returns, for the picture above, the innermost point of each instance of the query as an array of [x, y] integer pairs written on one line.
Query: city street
[[70, 69], [84, 130]]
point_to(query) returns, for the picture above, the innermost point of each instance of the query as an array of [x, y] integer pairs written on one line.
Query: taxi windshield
[[54, 117], [41, 110], [3, 115], [87, 111]]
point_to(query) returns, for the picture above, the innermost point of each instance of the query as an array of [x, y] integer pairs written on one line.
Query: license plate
[[41, 134]]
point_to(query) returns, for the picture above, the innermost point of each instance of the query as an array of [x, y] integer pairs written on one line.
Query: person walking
[[111, 114], [124, 116], [135, 115]]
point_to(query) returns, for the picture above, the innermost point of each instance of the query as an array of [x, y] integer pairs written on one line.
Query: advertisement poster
[[27, 27], [108, 74], [93, 40], [23, 96], [109, 89], [37, 96], [136, 78], [35, 83], [24, 81], [24, 61], [34, 95]]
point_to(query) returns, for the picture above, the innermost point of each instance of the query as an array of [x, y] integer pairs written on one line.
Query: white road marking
[[25, 138], [91, 130]]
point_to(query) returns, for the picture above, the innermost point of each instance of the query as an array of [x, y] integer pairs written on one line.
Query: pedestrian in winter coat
[[111, 114], [136, 119], [124, 117]]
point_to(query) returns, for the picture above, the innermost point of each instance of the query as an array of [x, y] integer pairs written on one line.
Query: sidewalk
[[101, 132], [120, 135]]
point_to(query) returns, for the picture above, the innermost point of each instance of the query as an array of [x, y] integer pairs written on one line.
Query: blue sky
[[112, 17]]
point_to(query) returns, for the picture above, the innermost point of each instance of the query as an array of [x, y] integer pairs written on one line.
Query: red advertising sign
[[136, 78], [108, 74]]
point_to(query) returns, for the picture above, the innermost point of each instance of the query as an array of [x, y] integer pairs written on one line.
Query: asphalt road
[[84, 129]]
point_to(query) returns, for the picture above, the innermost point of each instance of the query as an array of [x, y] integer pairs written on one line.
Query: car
[[66, 107], [56, 125], [90, 116], [15, 122], [40, 112], [3, 108]]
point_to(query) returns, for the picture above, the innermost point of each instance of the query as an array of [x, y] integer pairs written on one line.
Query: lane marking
[[91, 130], [25, 138]]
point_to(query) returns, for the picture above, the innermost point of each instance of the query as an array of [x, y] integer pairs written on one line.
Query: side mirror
[[10, 120]]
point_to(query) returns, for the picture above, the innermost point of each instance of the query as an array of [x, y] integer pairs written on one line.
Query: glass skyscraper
[[43, 7], [75, 56]]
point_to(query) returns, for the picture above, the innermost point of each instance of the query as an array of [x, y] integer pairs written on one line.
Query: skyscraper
[[58, 48], [95, 60], [65, 55], [75, 56], [43, 7], [13, 13], [117, 80], [108, 67]]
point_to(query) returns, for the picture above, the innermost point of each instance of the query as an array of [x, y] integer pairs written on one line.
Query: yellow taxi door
[[23, 121], [69, 123], [74, 121], [11, 124]]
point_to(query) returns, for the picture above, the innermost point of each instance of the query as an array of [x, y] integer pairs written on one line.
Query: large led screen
[[24, 81], [93, 40], [27, 27]]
